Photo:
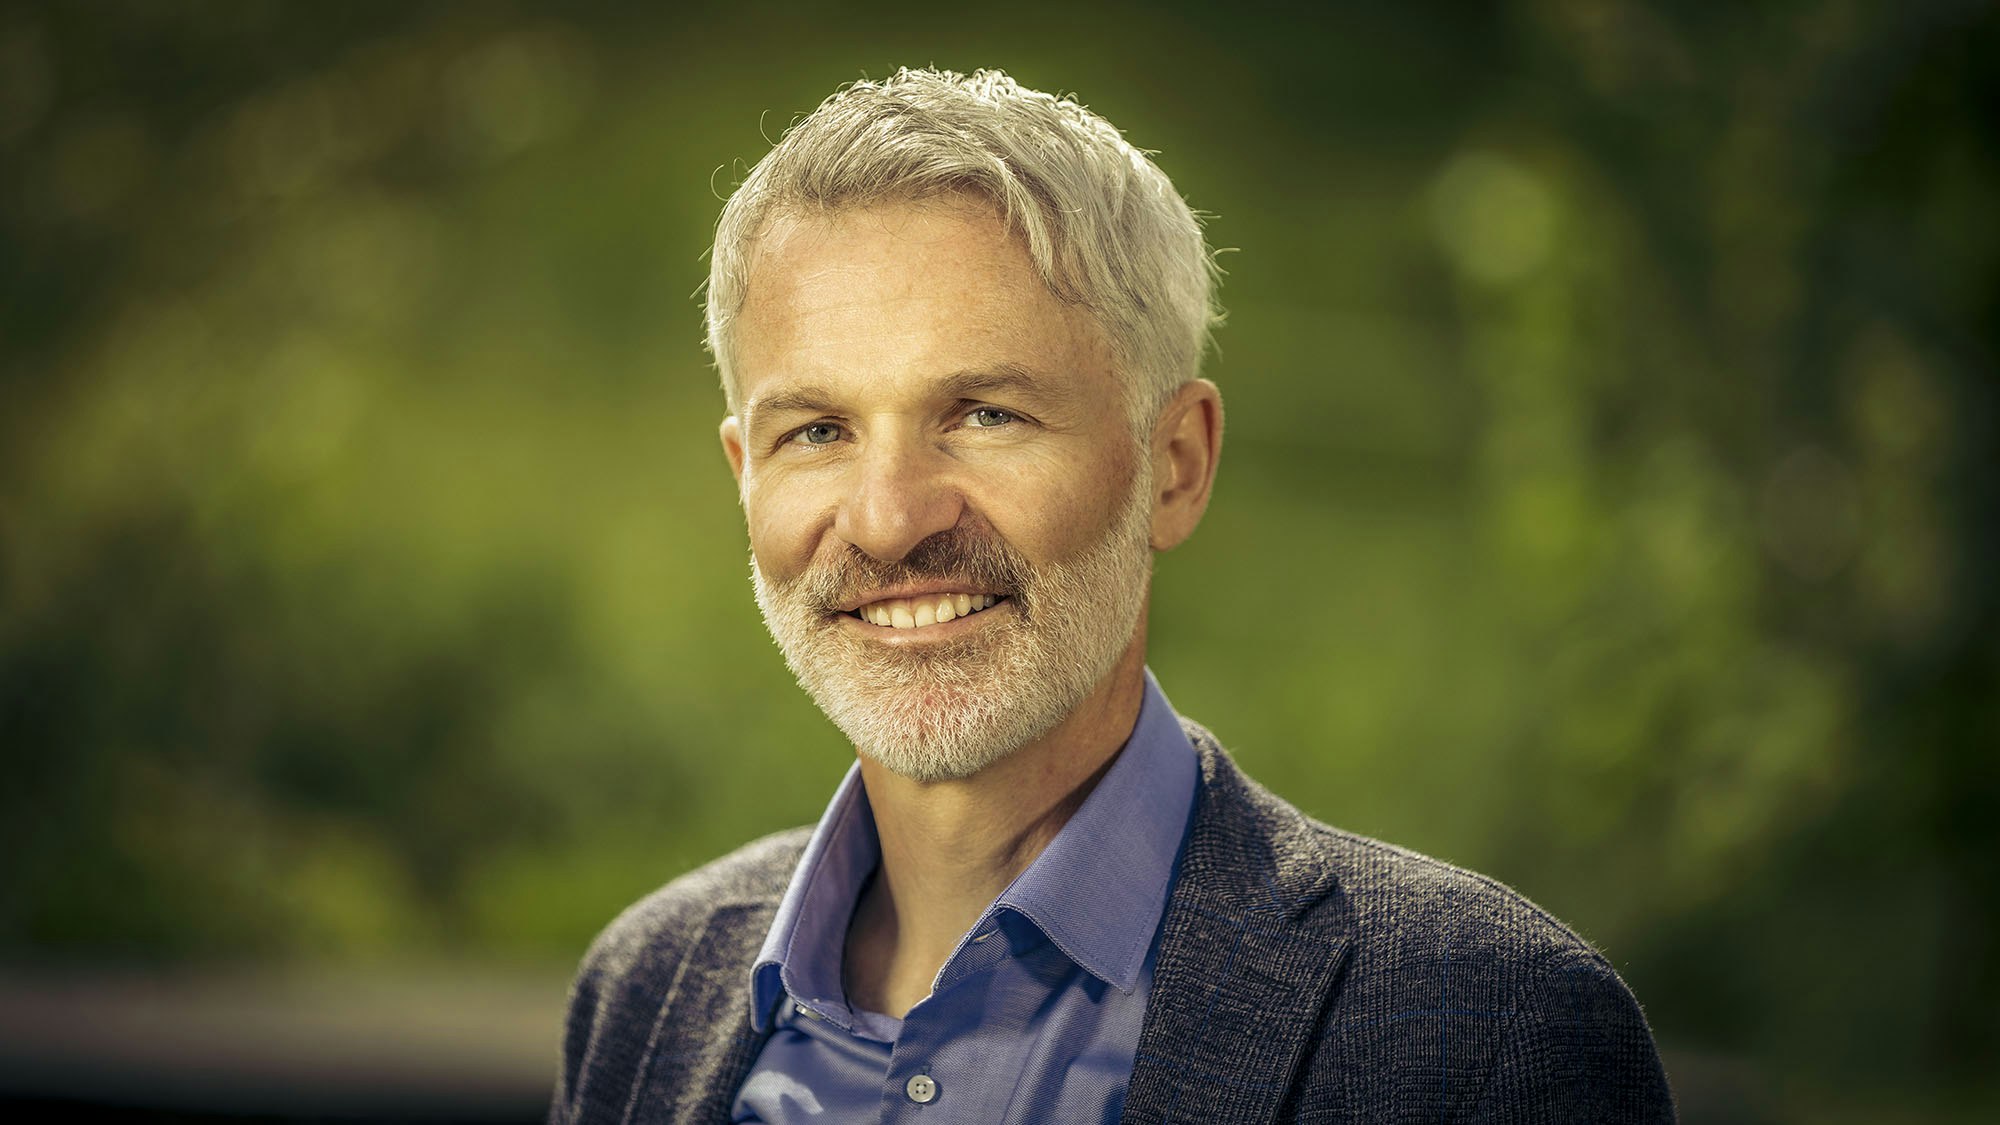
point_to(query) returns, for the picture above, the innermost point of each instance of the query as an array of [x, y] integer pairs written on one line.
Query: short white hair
[[1103, 225]]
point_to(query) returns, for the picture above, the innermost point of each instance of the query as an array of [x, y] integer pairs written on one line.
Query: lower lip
[[889, 634]]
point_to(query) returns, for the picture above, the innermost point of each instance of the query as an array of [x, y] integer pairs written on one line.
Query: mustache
[[975, 558]]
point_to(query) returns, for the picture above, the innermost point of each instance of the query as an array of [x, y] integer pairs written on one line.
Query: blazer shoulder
[[639, 961], [664, 920], [1435, 970], [1523, 1001], [1415, 894], [1386, 893]]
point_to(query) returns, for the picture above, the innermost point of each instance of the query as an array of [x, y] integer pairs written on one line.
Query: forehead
[[893, 297]]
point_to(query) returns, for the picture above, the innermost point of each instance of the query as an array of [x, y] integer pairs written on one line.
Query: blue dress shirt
[[1036, 1015]]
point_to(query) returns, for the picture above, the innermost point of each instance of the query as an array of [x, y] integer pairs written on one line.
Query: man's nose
[[901, 493]]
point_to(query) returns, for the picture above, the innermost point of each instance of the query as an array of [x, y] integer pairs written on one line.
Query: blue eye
[[987, 417], [819, 433]]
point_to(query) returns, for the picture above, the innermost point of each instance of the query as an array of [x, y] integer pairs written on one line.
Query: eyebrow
[[979, 382], [811, 398]]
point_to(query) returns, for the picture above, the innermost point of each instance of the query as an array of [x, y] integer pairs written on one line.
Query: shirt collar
[[802, 952], [1096, 892]]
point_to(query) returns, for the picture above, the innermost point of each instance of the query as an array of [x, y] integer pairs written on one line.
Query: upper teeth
[[930, 609]]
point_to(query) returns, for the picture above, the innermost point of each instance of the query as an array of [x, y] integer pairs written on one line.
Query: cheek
[[784, 528], [1062, 508]]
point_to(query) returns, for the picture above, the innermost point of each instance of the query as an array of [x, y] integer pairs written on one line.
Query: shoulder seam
[[1530, 906]]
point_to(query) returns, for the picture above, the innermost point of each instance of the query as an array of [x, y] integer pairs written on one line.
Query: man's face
[[948, 509]]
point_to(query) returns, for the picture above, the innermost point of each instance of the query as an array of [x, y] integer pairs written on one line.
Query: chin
[[935, 733]]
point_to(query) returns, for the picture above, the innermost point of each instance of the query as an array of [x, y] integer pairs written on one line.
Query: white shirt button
[[921, 1088]]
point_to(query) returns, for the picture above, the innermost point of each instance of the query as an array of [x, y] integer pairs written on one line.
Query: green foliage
[[1608, 498]]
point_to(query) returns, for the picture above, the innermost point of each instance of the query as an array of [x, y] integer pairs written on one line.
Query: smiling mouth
[[925, 611]]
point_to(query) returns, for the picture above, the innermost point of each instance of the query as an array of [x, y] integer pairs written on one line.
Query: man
[[958, 325]]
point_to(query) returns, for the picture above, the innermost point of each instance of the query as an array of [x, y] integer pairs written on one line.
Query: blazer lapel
[[1252, 943], [702, 1046]]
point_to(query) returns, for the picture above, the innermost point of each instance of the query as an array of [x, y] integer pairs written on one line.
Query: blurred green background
[[1608, 501]]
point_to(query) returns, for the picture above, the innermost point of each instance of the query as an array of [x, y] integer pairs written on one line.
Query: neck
[[950, 847]]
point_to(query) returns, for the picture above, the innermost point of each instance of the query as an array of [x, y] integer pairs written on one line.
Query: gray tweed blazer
[[1304, 974]]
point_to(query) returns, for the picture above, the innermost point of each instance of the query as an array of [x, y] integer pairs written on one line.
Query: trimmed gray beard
[[947, 711]]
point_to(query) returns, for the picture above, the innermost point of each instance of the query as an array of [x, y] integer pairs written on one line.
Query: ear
[[1187, 446], [732, 447]]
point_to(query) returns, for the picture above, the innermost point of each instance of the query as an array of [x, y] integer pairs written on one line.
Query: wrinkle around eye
[[1007, 418], [798, 436]]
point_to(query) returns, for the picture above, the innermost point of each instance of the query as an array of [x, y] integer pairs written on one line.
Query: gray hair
[[1103, 225]]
